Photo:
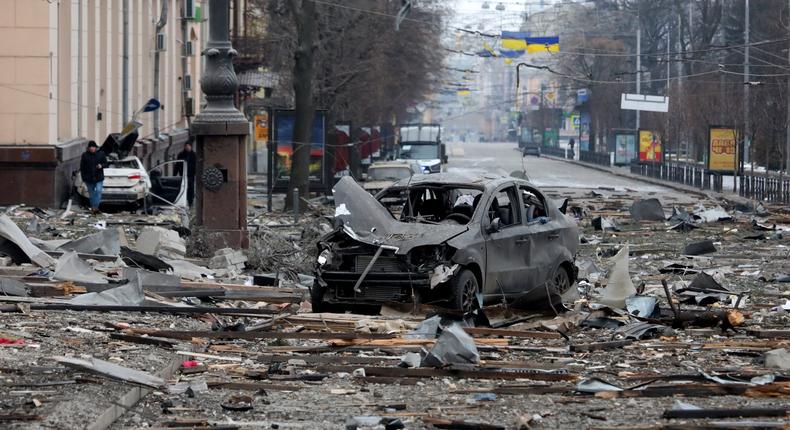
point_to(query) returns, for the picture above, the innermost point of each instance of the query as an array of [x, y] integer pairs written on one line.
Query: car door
[[505, 246], [543, 230], [165, 189]]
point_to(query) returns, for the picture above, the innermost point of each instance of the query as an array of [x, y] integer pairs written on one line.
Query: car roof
[[484, 181]]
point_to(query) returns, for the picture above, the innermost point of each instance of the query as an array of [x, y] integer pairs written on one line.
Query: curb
[[733, 198]]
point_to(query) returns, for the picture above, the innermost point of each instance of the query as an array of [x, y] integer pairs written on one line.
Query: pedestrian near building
[[92, 166], [188, 155], [572, 143]]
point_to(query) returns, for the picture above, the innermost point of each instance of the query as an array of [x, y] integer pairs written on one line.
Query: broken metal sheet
[[427, 329], [442, 274], [699, 248], [112, 370], [595, 385], [778, 358], [369, 222], [711, 215], [680, 269], [187, 270], [12, 287], [152, 281], [410, 360], [454, 346], [130, 294], [601, 223], [647, 210], [683, 406], [105, 242], [643, 306], [680, 215], [70, 267], [643, 330], [145, 261], [17, 241], [619, 287], [683, 226], [49, 245]]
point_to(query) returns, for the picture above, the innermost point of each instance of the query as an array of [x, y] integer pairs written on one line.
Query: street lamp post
[[221, 131]]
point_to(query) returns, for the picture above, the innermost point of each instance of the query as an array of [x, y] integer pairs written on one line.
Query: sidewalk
[[625, 172]]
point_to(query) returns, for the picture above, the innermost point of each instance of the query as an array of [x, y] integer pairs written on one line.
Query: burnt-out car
[[444, 239]]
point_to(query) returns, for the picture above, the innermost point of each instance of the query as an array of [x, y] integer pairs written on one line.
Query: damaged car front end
[[427, 239]]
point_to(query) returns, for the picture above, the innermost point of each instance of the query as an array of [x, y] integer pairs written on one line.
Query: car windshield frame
[[394, 200]]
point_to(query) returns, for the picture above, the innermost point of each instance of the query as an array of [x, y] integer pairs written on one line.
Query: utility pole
[[669, 32], [125, 79], [787, 96], [159, 26], [638, 60], [746, 138]]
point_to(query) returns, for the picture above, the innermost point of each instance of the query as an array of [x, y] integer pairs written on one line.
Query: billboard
[[624, 148], [262, 127], [283, 122], [650, 147], [722, 149]]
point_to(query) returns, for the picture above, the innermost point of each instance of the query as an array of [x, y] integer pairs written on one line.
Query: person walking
[[92, 166], [572, 143], [188, 155]]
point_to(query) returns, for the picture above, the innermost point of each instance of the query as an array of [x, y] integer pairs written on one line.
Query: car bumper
[[375, 288], [120, 196]]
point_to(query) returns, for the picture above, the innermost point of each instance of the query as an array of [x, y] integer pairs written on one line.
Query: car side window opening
[[534, 205], [505, 207]]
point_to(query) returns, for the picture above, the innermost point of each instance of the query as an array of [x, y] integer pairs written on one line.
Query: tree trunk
[[303, 96]]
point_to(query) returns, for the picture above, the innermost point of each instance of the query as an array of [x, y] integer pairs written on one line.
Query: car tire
[[464, 291], [562, 280]]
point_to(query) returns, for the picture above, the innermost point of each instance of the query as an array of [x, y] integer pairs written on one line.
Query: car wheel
[[562, 280], [464, 292]]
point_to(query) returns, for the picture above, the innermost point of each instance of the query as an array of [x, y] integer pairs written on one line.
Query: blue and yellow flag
[[543, 44], [514, 40]]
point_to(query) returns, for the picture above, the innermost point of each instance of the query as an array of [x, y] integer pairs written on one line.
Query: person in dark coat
[[92, 166], [190, 157]]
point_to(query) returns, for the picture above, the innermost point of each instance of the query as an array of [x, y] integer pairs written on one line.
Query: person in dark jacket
[[190, 157], [92, 166]]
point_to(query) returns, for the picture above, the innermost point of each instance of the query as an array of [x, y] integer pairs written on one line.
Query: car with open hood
[[445, 239]]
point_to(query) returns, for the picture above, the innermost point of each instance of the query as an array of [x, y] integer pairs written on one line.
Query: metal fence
[[693, 175], [554, 151], [768, 187], [599, 158]]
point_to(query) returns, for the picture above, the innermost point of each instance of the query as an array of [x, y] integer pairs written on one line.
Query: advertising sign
[[624, 148], [722, 149], [262, 127], [283, 134], [650, 147]]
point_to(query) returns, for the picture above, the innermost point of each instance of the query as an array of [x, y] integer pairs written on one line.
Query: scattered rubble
[[158, 338]]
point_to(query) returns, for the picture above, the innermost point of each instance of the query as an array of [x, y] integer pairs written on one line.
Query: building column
[[221, 132]]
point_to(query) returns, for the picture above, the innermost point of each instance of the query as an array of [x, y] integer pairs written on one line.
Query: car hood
[[366, 220]]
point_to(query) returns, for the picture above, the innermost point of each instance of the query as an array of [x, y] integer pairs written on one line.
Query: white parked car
[[127, 182], [382, 174]]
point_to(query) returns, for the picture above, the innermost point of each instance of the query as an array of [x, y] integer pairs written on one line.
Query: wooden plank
[[526, 334], [438, 373]]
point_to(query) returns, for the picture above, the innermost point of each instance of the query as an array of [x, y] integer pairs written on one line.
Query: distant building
[[62, 83]]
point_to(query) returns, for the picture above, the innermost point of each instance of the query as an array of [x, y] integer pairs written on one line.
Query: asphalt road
[[504, 158]]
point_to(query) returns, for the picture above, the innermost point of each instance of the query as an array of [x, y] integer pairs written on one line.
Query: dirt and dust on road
[[679, 320]]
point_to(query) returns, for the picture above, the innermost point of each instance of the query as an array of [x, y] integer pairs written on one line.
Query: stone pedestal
[[221, 191], [221, 132]]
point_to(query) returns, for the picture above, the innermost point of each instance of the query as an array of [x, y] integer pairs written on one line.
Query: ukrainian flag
[[543, 44], [514, 40]]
